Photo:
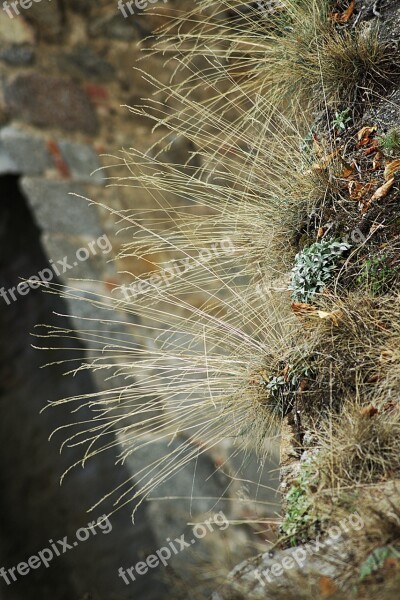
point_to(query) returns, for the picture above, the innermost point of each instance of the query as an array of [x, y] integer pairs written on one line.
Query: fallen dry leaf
[[258, 378], [301, 308], [377, 162], [307, 310], [390, 564], [303, 385], [372, 148], [391, 168], [375, 227], [285, 373], [333, 316], [380, 193], [357, 190], [383, 191], [374, 378], [320, 232], [390, 406], [387, 356], [344, 16], [366, 133], [348, 171], [318, 149], [327, 586], [323, 164]]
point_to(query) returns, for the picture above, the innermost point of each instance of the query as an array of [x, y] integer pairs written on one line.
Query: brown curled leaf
[[324, 163], [345, 16], [327, 586], [372, 148], [380, 193], [357, 190], [391, 168], [383, 191], [366, 132]]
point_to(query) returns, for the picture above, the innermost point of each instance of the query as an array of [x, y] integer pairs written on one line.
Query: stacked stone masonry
[[66, 75]]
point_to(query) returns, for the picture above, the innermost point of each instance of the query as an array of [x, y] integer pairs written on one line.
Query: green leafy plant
[[280, 392], [376, 560], [341, 119], [283, 388], [390, 143], [314, 267]]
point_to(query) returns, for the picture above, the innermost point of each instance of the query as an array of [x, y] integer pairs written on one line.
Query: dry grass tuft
[[193, 385], [293, 54], [349, 351], [359, 447], [231, 365]]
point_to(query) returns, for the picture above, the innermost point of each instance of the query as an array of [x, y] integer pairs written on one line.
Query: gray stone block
[[260, 478], [50, 102], [115, 27], [82, 161], [57, 211], [47, 19], [192, 491], [7, 165], [84, 62], [59, 248], [18, 54], [27, 154]]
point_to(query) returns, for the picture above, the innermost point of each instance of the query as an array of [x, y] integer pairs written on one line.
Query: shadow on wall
[[33, 507]]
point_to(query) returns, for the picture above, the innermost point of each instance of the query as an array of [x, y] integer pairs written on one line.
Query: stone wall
[[66, 69]]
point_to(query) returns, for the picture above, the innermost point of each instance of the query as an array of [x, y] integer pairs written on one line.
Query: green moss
[[300, 521]]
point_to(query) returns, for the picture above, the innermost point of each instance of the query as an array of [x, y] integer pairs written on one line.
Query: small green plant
[[282, 389], [314, 267], [307, 142], [376, 560], [281, 395], [390, 143], [341, 119], [276, 385], [299, 520], [378, 274]]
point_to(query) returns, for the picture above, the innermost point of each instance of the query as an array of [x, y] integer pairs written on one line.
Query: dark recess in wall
[[33, 506]]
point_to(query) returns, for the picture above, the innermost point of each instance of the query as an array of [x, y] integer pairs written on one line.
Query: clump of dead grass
[[361, 446], [253, 186], [192, 385], [293, 54], [348, 346]]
